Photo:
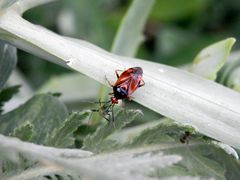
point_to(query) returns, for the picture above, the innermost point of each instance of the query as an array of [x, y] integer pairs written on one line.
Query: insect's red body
[[127, 83]]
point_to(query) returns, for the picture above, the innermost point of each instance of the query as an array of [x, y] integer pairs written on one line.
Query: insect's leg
[[108, 107], [142, 83], [113, 119], [111, 123], [111, 93], [110, 114], [100, 103], [105, 111], [116, 72], [106, 119], [130, 98], [108, 81]]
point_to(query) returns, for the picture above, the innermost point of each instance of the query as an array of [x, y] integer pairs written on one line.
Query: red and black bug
[[128, 82]]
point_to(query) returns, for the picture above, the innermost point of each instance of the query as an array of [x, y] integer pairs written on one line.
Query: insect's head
[[114, 100]]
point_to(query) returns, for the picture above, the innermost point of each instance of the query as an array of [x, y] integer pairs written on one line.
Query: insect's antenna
[[108, 81], [103, 104], [104, 101], [96, 102], [111, 116]]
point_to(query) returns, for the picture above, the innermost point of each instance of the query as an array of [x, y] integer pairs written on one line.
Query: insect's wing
[[130, 79], [125, 76], [133, 84]]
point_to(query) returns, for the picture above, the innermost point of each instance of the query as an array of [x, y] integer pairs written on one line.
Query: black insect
[[185, 137]]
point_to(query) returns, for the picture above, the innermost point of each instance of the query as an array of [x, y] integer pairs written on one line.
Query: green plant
[[147, 151]]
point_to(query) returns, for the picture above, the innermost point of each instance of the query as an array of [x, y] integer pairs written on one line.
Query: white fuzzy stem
[[102, 166], [16, 144]]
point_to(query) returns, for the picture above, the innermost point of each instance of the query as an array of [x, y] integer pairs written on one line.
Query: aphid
[[126, 84], [185, 137]]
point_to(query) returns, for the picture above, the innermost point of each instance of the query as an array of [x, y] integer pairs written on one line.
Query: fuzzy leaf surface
[[62, 136], [43, 112], [98, 141], [199, 157]]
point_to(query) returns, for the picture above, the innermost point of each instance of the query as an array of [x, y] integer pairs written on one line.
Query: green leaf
[[212, 58], [6, 94], [43, 112], [130, 36], [234, 80], [230, 74], [8, 60], [166, 131], [10, 168], [232, 64], [62, 136], [198, 157], [24, 132], [98, 141], [155, 153]]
